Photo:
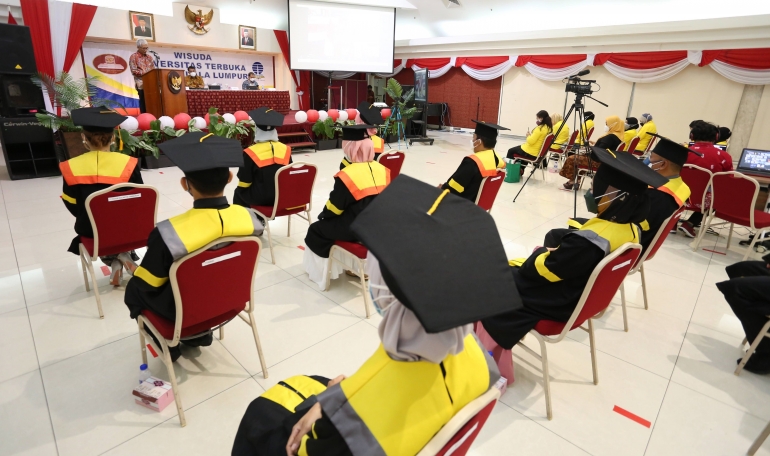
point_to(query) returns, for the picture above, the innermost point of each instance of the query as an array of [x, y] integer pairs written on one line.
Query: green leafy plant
[[400, 100], [69, 93], [146, 143], [324, 129], [219, 127], [338, 126]]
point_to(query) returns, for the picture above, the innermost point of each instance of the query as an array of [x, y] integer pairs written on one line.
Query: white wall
[[760, 135]]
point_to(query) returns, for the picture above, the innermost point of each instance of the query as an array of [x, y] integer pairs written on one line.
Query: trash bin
[[512, 172]]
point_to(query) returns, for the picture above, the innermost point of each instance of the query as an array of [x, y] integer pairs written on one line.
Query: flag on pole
[[11, 19]]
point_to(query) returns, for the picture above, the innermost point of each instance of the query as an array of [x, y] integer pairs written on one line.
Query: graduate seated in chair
[[355, 186], [667, 159], [370, 115], [428, 364], [484, 162], [205, 160], [552, 279], [96, 170], [256, 178]]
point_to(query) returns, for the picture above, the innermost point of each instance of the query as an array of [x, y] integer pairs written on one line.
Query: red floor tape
[[152, 351], [301, 247], [105, 270], [631, 416], [714, 251]]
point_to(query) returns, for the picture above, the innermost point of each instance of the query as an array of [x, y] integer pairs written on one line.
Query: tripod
[[396, 115], [578, 107]]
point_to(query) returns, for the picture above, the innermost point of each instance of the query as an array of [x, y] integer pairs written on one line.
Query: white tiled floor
[[66, 376]]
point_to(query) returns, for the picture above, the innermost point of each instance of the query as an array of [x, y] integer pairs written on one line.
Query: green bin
[[512, 172]]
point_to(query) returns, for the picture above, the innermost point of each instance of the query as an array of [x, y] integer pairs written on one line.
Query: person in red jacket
[[712, 158]]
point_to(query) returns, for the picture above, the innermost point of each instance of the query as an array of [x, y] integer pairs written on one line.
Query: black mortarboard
[[486, 129], [96, 118], [625, 172], [355, 132], [671, 150], [197, 151], [428, 260], [370, 114], [266, 118]]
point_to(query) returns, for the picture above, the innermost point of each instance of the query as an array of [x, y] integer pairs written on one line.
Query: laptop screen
[[755, 161]]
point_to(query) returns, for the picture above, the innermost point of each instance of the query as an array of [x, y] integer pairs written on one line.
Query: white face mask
[[606, 128], [653, 164], [193, 74], [473, 143], [387, 299], [252, 79]]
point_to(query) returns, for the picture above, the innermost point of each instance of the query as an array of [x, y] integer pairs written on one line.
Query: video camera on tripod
[[580, 86]]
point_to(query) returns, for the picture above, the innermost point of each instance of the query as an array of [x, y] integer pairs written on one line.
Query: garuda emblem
[[197, 20]]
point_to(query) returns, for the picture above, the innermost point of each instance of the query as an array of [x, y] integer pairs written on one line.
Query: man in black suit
[[142, 29], [247, 40]]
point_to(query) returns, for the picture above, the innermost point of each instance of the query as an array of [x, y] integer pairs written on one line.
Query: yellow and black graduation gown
[[256, 178], [367, 412], [664, 201], [379, 147], [466, 181], [170, 240], [354, 188], [89, 173], [550, 282]]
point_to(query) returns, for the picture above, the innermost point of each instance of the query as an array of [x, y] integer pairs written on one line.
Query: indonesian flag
[[11, 19]]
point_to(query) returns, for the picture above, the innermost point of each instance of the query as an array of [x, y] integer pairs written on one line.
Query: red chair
[[621, 147], [541, 156], [358, 252], [211, 286], [457, 436], [699, 181], [293, 195], [393, 161], [559, 152], [604, 282], [488, 190], [632, 146], [657, 241], [121, 222], [646, 152], [734, 196]]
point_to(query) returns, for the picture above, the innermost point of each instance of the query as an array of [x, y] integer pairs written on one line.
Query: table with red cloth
[[199, 101]]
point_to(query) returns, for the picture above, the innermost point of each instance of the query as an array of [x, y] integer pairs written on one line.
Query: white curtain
[[59, 16], [648, 75], [491, 73], [396, 70], [432, 74], [557, 74], [741, 75]]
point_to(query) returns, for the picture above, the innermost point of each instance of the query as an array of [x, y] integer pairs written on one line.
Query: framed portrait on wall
[[142, 25], [247, 37]]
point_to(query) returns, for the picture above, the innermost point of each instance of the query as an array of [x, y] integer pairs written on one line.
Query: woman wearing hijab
[[534, 142], [355, 186], [631, 126], [647, 126], [612, 138], [369, 114], [551, 281], [588, 125], [563, 137], [428, 365]]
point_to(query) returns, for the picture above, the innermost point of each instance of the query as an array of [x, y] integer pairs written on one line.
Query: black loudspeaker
[[28, 148], [19, 96], [18, 54]]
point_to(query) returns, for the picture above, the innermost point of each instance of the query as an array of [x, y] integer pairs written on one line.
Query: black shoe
[[134, 256], [202, 341], [759, 364]]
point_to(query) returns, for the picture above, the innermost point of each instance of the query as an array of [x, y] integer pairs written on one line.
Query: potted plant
[[325, 134], [242, 130], [68, 93], [144, 145], [391, 127], [338, 129]]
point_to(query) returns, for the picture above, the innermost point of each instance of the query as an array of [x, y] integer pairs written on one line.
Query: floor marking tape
[[631, 416]]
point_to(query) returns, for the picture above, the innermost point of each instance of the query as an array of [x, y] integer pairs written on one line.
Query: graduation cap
[[355, 132], [447, 278], [197, 151], [625, 172], [98, 118], [487, 130], [266, 118], [370, 114], [671, 150]]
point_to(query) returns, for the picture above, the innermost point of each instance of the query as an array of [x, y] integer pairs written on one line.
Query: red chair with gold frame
[[488, 190], [393, 160]]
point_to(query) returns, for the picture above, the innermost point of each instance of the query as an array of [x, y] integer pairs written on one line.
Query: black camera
[[579, 87]]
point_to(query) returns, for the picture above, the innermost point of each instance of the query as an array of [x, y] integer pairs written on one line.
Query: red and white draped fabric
[[554, 67], [747, 66], [647, 66], [438, 67], [486, 68], [398, 65]]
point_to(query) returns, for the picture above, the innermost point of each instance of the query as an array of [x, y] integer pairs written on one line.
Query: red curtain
[[753, 59], [431, 64], [551, 61], [303, 83], [480, 63], [82, 15], [641, 60], [35, 13]]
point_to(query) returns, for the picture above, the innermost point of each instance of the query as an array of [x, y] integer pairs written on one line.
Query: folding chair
[[632, 146], [734, 196], [293, 195], [597, 295], [759, 441], [122, 217], [646, 152], [754, 344], [699, 181], [211, 286], [358, 252], [657, 241], [541, 156], [621, 147], [393, 161], [488, 190], [561, 152], [457, 436]]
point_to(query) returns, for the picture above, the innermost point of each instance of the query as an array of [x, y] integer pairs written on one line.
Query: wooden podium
[[164, 92]]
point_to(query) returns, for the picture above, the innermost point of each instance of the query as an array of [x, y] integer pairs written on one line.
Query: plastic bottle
[[144, 373], [555, 166]]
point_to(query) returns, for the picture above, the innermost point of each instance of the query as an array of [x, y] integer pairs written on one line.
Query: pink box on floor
[[154, 393]]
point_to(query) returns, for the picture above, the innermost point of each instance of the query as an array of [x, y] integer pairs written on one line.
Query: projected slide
[[336, 37]]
